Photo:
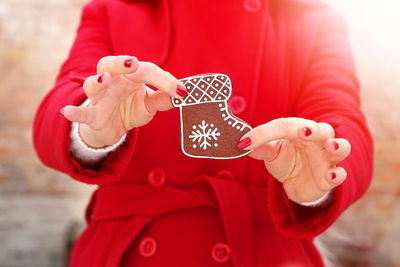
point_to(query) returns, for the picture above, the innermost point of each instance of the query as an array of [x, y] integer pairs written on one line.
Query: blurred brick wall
[[38, 204]]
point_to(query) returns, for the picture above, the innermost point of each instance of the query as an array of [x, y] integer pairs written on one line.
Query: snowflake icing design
[[204, 135]]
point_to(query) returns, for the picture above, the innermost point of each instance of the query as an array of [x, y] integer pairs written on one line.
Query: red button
[[237, 104], [156, 177], [221, 252], [225, 174], [252, 5], [148, 247]]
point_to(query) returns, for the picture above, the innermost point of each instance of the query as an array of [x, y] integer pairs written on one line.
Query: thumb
[[158, 101], [78, 114]]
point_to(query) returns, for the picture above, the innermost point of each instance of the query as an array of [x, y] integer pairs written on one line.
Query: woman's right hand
[[121, 100]]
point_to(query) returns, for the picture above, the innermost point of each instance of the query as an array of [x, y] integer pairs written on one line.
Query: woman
[[293, 77]]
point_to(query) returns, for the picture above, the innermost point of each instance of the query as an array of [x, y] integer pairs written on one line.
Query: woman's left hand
[[301, 154]]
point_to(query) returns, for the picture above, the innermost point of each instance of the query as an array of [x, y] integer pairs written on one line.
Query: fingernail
[[181, 91], [335, 145], [62, 110], [307, 131], [100, 79], [333, 175], [244, 143], [128, 63]]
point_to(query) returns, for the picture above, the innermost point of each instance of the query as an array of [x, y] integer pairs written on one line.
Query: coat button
[[221, 252], [148, 247], [156, 177], [252, 5], [237, 104], [225, 174]]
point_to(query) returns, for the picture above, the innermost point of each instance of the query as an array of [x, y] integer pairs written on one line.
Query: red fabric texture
[[288, 59]]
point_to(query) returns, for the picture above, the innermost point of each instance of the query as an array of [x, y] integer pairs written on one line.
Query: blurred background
[[40, 209]]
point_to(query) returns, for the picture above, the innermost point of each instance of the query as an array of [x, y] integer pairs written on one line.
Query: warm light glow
[[380, 19], [374, 27]]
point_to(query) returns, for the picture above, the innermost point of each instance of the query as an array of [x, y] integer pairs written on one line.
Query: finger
[[158, 101], [151, 74], [283, 128], [95, 85], [268, 151], [338, 148], [117, 64], [335, 177], [318, 134], [79, 114]]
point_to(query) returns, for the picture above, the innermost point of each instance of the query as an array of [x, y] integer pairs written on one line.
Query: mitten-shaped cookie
[[208, 128]]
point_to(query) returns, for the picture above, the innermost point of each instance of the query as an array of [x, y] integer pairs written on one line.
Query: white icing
[[205, 135], [215, 90]]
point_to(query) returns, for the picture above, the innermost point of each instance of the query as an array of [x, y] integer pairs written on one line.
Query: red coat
[[287, 58]]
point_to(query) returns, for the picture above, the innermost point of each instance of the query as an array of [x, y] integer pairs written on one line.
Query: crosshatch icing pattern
[[208, 128]]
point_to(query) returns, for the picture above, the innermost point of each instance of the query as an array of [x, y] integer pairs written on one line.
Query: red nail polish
[[335, 145], [100, 79], [62, 111], [333, 175], [128, 63], [244, 143], [181, 91], [307, 131]]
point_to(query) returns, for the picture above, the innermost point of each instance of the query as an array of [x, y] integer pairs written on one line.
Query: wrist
[[88, 136], [96, 139], [81, 148]]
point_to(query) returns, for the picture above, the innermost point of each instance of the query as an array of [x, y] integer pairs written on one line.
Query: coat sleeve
[[329, 93], [51, 130]]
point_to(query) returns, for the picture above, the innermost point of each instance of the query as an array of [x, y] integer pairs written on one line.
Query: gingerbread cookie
[[208, 128]]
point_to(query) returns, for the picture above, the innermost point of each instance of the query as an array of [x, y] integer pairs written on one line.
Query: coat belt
[[239, 205]]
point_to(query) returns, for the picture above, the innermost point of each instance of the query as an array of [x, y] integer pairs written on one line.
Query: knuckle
[[103, 62], [283, 123], [342, 171], [346, 146], [329, 129], [171, 82], [150, 65], [87, 83]]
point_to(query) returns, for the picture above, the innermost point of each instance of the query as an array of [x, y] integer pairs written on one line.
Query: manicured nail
[[244, 143], [333, 175], [100, 79], [181, 91], [307, 131], [128, 63], [335, 145], [62, 110]]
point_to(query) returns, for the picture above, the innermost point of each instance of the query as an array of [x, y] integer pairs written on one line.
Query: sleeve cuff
[[319, 202], [299, 221]]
